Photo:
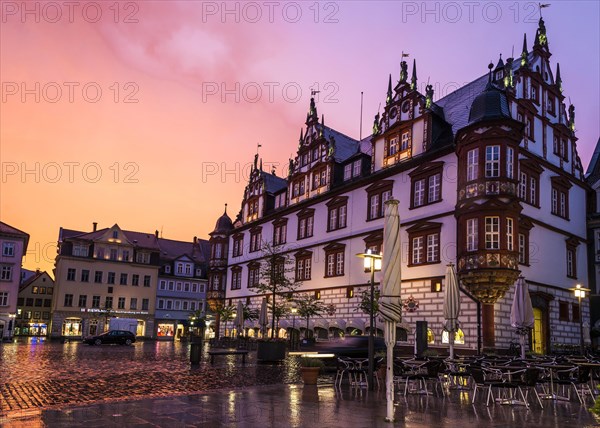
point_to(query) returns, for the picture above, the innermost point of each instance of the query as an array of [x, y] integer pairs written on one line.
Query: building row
[[488, 178]]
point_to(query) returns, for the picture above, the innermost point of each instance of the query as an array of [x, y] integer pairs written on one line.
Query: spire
[[261, 169], [322, 129], [388, 98], [558, 79], [413, 79], [225, 212], [500, 63], [541, 38], [301, 135], [524, 53]]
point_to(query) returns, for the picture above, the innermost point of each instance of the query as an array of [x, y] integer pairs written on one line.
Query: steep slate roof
[[170, 249], [457, 104], [31, 279], [344, 145], [10, 230], [273, 183], [593, 169]]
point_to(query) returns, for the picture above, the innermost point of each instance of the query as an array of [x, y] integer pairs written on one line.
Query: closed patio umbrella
[[263, 319], [451, 306], [390, 305], [239, 320], [521, 312]]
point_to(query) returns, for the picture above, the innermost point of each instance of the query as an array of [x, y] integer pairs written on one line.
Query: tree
[[365, 304], [309, 306], [250, 314], [226, 313], [277, 278], [281, 310]]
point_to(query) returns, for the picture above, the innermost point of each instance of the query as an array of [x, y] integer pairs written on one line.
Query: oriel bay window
[[280, 231], [303, 265], [426, 184], [377, 194], [492, 233], [334, 260], [424, 243], [492, 161], [337, 213], [306, 219]]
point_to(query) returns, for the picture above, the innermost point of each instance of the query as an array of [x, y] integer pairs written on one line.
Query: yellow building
[[104, 274]]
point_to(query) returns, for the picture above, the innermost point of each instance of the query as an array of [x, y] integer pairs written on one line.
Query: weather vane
[[541, 6]]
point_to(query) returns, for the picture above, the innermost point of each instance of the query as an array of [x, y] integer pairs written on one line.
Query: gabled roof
[[37, 275], [139, 239], [10, 230]]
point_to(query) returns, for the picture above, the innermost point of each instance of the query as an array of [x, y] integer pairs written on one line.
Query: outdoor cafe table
[[552, 368], [507, 373]]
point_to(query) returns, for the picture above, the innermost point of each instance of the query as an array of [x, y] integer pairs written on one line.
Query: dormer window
[[397, 147], [499, 74], [167, 269], [115, 234]]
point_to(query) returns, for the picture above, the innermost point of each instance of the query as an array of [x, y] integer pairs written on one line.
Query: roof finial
[[490, 67], [413, 80], [524, 53], [558, 79], [225, 213], [388, 98]]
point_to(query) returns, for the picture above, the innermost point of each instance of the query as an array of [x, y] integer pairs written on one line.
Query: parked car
[[119, 337], [349, 346]]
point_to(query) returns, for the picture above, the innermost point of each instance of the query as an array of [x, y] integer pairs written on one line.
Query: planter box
[[270, 351], [310, 375]]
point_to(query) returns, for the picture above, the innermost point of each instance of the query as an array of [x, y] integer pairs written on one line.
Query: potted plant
[[310, 368]]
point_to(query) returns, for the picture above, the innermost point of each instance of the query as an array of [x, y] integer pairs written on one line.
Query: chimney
[[156, 233], [95, 226], [195, 239]]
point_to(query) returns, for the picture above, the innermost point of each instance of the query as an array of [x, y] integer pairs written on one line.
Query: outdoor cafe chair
[[480, 382], [576, 378], [528, 381]]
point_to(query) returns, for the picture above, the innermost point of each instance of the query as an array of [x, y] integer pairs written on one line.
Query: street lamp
[[579, 292], [372, 262], [294, 311]]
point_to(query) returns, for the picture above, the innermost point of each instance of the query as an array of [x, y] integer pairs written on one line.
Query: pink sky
[[172, 159]]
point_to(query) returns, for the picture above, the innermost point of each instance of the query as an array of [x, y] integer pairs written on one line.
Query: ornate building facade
[[488, 178]]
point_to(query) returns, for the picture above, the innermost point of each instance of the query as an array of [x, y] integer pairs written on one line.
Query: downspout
[[470, 296]]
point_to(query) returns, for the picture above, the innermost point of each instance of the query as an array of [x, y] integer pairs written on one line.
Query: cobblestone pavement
[[299, 405], [51, 374]]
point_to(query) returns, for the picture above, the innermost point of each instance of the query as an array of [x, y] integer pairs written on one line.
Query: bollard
[[195, 352]]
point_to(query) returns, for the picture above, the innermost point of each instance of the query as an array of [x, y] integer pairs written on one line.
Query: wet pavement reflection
[[296, 405], [153, 385], [35, 375]]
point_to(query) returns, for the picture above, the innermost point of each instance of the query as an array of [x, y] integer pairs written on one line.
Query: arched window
[[459, 337], [430, 336]]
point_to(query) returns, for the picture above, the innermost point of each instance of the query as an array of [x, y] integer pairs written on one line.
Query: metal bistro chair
[[577, 378], [345, 367], [480, 382], [529, 380]]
